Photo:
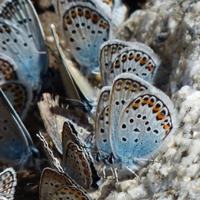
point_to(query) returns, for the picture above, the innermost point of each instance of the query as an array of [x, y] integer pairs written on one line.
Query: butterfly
[[22, 40], [118, 57], [77, 87], [8, 182], [85, 27], [54, 115], [134, 121], [76, 160], [16, 89], [117, 10], [16, 144], [57, 185]]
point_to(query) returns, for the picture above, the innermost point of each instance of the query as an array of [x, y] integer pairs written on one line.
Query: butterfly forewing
[[102, 123]]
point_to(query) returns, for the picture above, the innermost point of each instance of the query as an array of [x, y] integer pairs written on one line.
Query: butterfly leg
[[129, 169]]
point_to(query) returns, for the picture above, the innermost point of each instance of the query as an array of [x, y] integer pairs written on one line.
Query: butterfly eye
[[95, 18], [87, 14], [127, 84], [119, 85], [162, 114], [136, 105]]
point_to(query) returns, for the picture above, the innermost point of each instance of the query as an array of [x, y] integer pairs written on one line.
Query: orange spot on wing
[[159, 116], [135, 106], [150, 68], [150, 103], [137, 58], [103, 25], [155, 109], [143, 62]]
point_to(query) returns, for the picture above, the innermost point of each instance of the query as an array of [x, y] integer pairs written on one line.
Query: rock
[[172, 29]]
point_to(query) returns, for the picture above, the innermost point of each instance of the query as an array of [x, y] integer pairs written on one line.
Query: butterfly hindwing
[[102, 123], [85, 27], [57, 185], [107, 52], [143, 122], [138, 59], [8, 182], [16, 143], [77, 160]]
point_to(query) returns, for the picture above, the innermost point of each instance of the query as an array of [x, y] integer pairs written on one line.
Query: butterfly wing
[[119, 12], [56, 185], [22, 39], [138, 59], [143, 123], [16, 89], [16, 143], [8, 182], [23, 14], [76, 86], [53, 115], [77, 161], [102, 123], [85, 27], [107, 51], [71, 193], [19, 95]]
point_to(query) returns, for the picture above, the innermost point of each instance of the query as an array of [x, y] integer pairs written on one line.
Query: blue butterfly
[[134, 121], [23, 53], [16, 144], [118, 57], [85, 26]]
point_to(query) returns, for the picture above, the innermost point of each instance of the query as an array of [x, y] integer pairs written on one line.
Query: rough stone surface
[[172, 29]]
